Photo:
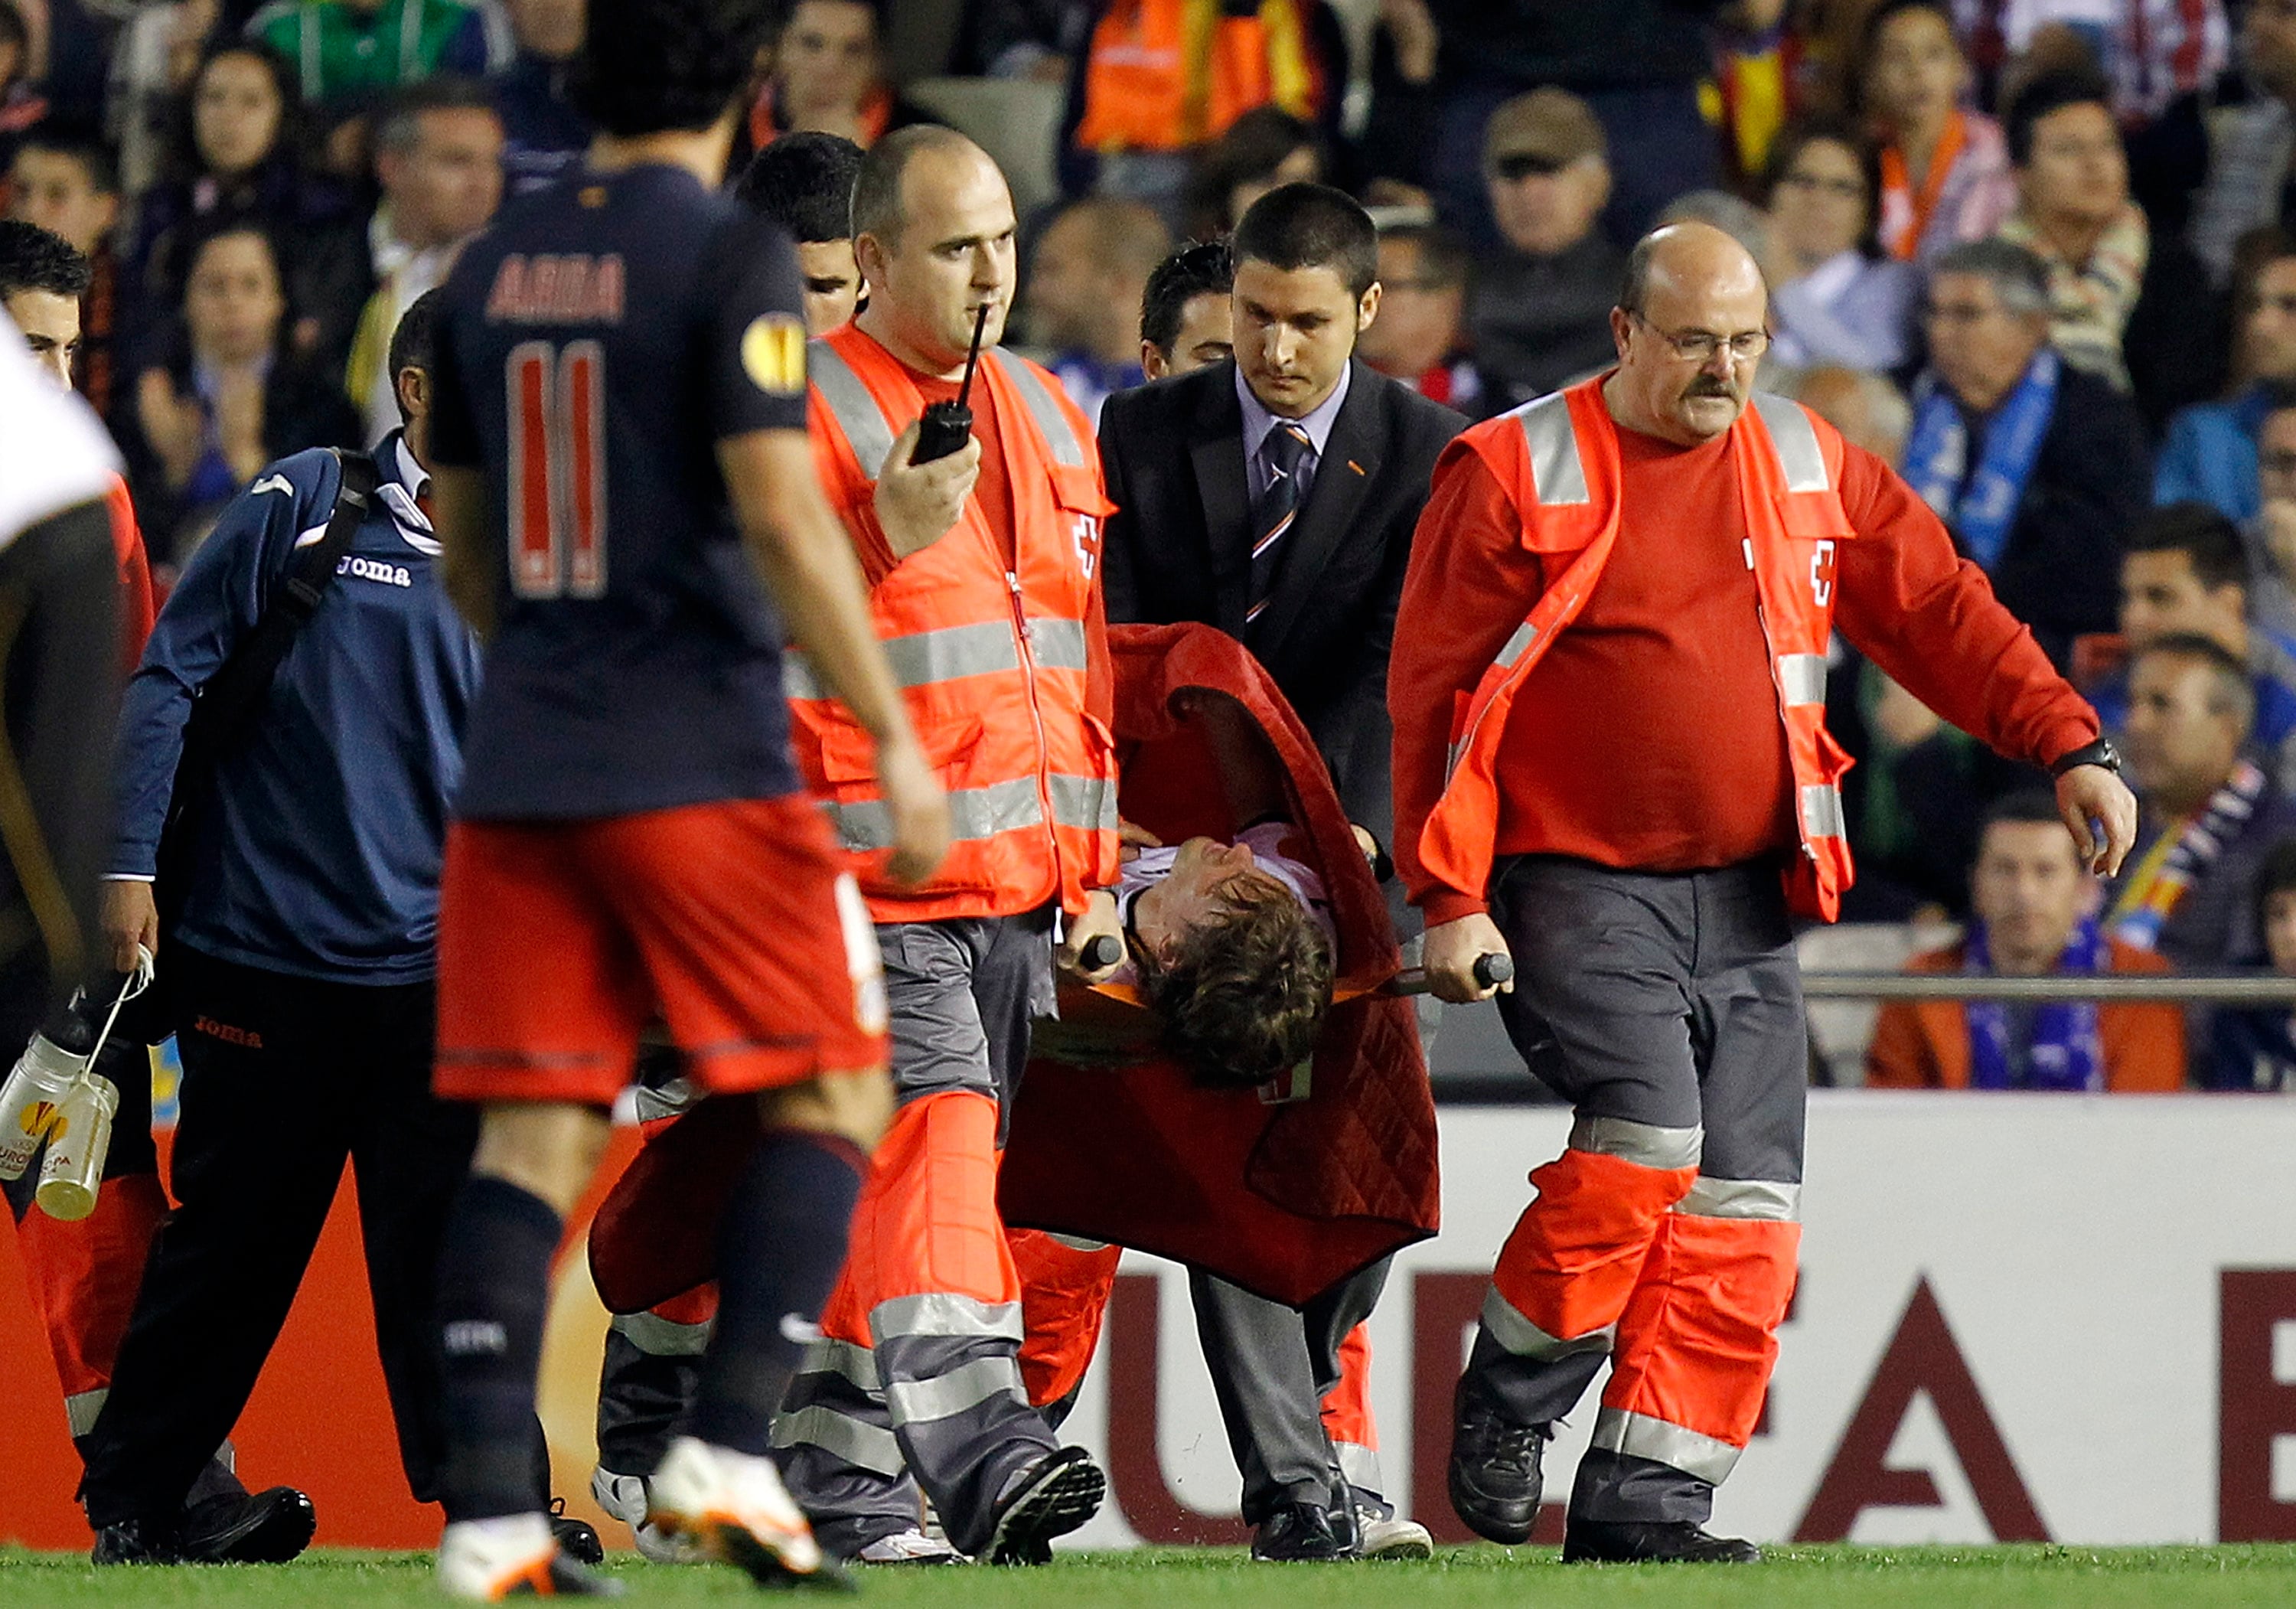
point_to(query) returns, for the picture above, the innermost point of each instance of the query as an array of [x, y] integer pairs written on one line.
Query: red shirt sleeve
[[1472, 581], [1929, 618]]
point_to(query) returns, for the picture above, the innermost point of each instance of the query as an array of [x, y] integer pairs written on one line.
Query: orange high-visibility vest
[[1163, 75], [1558, 460], [991, 635]]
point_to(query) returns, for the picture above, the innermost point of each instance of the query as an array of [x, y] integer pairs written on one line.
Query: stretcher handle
[[1490, 972], [1101, 953]]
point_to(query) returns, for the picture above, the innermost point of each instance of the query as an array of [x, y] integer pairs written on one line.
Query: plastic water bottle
[[34, 1096], [78, 1145]]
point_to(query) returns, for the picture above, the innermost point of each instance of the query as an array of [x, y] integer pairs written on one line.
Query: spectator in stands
[[2210, 451], [1187, 316], [1419, 336], [2208, 813], [228, 398], [1636, 63], [1540, 309], [1265, 147], [64, 183], [804, 182], [2184, 571], [1035, 39], [2035, 466], [153, 63], [2125, 304], [1089, 272], [2033, 911], [828, 76], [1944, 169], [2272, 534], [1865, 406], [21, 104], [543, 135], [236, 160], [1835, 298], [353, 52], [2254, 1047], [438, 157], [2249, 143], [1153, 87], [1758, 86]]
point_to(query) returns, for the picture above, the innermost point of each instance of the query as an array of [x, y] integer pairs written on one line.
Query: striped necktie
[[1279, 505]]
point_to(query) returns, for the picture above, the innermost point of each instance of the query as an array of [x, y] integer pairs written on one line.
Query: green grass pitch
[[1463, 1578]]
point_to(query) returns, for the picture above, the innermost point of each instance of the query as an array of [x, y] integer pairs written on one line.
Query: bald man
[[1083, 295], [1663, 556]]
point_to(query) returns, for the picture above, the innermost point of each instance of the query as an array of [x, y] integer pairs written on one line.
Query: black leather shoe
[[578, 1539], [142, 1541], [1052, 1499], [1640, 1542], [1341, 1515], [267, 1527], [1297, 1533], [1493, 1477]]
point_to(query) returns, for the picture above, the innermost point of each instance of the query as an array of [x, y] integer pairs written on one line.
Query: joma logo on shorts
[[374, 570], [247, 1039]]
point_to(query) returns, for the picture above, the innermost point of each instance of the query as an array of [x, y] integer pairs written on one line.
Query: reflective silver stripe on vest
[[1556, 474], [81, 1409], [1645, 1145], [1525, 1339], [856, 1365], [1076, 1243], [1517, 645], [856, 410], [1821, 810], [1087, 803], [1773, 1200], [973, 813], [944, 1396], [1052, 423], [657, 1102], [1643, 1437], [659, 1337], [869, 1447], [924, 657], [1057, 644], [940, 1313], [1797, 442], [1802, 676], [1360, 1467]]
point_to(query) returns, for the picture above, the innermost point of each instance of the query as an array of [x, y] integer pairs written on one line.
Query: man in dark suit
[[1206, 467], [1274, 496]]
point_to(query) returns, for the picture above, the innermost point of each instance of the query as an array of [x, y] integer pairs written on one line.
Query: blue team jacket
[[322, 845]]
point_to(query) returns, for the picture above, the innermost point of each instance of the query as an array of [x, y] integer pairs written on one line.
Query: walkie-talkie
[[948, 426]]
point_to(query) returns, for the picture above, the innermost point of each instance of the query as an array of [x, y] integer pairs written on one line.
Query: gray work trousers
[[936, 1401], [1667, 1009]]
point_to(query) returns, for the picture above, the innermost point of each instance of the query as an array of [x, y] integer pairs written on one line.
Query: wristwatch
[[2099, 754]]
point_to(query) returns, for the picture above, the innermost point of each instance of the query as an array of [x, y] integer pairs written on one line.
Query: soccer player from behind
[[622, 455]]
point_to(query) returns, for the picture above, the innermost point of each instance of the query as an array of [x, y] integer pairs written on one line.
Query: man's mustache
[[1712, 388]]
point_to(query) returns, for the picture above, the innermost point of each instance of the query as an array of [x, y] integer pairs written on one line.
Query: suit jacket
[[1180, 548], [1924, 1045]]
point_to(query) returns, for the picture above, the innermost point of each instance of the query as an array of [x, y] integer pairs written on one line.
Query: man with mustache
[[1662, 556]]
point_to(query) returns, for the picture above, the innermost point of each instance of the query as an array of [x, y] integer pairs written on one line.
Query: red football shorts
[[735, 921]]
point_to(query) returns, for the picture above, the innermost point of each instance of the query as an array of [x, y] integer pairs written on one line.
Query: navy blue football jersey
[[595, 344]]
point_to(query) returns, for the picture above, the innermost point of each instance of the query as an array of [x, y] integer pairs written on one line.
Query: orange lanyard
[[1895, 182]]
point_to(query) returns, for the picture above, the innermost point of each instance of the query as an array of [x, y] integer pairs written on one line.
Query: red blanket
[[1110, 1140]]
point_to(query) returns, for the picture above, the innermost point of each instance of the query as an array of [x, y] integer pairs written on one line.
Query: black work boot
[[1296, 1533], [145, 1540], [1651, 1541], [1493, 1477], [267, 1527]]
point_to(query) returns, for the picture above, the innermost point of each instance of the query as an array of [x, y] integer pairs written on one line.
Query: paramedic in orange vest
[[983, 568], [1610, 763]]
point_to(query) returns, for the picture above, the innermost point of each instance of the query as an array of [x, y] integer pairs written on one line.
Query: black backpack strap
[[232, 694]]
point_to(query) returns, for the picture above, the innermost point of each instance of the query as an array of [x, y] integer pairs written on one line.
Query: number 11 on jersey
[[557, 469]]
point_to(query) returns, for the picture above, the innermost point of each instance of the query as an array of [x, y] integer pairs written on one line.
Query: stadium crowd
[[2033, 256]]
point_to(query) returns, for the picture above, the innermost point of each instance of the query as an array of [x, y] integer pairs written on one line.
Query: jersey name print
[[598, 342]]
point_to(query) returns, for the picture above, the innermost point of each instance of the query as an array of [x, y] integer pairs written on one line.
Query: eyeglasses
[[1523, 164], [1700, 346], [1847, 190]]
